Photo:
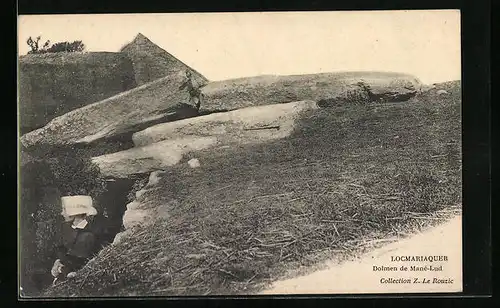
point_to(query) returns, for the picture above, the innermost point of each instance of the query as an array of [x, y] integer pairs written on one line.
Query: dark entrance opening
[[113, 203], [44, 180]]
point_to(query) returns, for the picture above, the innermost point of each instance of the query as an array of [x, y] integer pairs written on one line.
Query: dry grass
[[347, 180]]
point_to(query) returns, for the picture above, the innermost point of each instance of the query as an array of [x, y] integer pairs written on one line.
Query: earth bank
[[347, 175]]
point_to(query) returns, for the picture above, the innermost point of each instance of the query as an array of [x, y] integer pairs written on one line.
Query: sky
[[231, 45]]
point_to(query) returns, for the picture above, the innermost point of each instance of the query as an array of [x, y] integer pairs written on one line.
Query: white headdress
[[76, 205]]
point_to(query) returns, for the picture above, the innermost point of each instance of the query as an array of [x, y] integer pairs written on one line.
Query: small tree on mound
[[75, 46]]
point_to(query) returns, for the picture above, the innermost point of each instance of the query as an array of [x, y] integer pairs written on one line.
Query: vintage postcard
[[267, 153]]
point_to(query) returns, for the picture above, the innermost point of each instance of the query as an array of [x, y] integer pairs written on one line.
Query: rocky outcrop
[[53, 84], [137, 213], [242, 126], [152, 62], [306, 195], [87, 103], [146, 159], [159, 101], [326, 88], [166, 144]]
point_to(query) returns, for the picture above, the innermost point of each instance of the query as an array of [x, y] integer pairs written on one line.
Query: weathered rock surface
[[152, 62], [325, 88], [53, 84], [152, 157], [159, 101], [242, 126], [138, 213], [166, 144], [194, 163]]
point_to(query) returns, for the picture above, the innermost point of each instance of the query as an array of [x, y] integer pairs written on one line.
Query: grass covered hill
[[53, 84], [151, 62], [348, 176]]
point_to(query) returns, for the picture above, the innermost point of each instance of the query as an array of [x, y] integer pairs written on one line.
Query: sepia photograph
[[239, 154]]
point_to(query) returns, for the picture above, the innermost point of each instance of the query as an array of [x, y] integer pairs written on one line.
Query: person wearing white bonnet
[[73, 206], [79, 238]]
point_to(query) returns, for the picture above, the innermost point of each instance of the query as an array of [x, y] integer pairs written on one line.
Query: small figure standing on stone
[[80, 236], [195, 95]]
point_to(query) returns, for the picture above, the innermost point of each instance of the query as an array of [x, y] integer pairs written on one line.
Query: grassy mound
[[51, 85], [151, 62], [347, 177]]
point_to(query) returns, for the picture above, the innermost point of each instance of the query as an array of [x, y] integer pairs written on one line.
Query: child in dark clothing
[[80, 236]]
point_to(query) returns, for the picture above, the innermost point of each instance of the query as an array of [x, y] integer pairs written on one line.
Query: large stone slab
[[53, 84], [153, 157], [325, 88], [242, 126], [162, 146], [159, 101]]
